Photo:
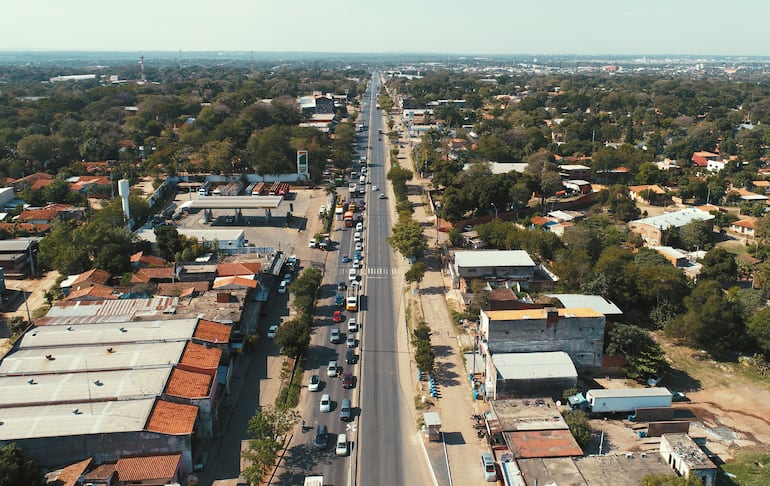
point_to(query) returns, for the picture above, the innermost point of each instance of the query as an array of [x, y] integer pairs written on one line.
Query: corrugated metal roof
[[111, 333], [21, 391], [595, 302], [493, 258], [68, 420], [533, 366], [91, 358], [676, 219], [126, 309]]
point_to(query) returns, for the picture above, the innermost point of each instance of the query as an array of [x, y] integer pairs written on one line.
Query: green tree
[[407, 238], [293, 336], [268, 428], [758, 328], [710, 321], [15, 469], [58, 250], [644, 357], [578, 426], [416, 272], [719, 265], [695, 235], [169, 242]]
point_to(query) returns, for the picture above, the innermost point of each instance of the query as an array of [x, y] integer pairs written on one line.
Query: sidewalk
[[459, 463]]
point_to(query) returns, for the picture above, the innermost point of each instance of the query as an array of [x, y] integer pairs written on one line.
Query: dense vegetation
[[607, 123]]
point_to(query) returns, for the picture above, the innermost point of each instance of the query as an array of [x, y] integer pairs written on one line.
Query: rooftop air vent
[[32, 381], [98, 383], [110, 350], [49, 357], [122, 329], [76, 412]]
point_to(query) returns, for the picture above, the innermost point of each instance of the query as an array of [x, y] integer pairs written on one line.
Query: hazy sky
[[447, 26]]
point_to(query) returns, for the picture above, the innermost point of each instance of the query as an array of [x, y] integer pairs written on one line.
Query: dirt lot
[[726, 404], [35, 291]]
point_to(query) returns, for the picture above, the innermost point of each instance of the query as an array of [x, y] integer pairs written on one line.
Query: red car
[[348, 380], [337, 317]]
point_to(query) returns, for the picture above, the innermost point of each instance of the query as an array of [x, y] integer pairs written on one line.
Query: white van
[[362, 179], [488, 466], [342, 445]]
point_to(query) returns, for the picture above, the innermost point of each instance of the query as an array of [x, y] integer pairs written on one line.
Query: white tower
[[142, 78], [123, 191]]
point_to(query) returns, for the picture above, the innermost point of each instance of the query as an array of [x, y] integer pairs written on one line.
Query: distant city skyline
[[594, 27]]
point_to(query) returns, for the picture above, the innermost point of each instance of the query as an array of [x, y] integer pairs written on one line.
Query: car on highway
[[345, 258], [346, 413], [383, 196], [359, 226], [314, 384], [339, 300], [282, 287], [320, 437], [359, 254], [326, 403], [350, 341], [335, 337], [375, 188], [359, 246], [331, 369], [357, 237], [352, 274], [350, 356], [342, 285], [347, 380], [337, 316], [357, 262], [352, 325], [271, 331], [342, 445]]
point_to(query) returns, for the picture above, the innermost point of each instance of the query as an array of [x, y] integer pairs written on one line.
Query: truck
[[314, 481], [348, 219], [617, 400]]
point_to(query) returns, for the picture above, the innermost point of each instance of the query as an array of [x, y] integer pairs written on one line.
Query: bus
[[351, 302], [348, 218]]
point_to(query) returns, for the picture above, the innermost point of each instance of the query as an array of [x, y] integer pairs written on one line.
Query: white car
[[374, 188], [331, 369], [352, 274], [271, 331], [352, 325], [359, 227], [357, 237], [282, 287], [314, 384], [321, 210], [326, 403], [359, 246], [313, 244]]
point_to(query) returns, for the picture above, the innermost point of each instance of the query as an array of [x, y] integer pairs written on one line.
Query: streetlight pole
[[493, 205]]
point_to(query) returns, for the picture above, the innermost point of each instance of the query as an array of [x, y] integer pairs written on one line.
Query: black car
[[350, 356], [342, 286], [321, 440]]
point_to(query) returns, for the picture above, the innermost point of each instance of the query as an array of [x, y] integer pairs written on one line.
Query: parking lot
[[279, 233]]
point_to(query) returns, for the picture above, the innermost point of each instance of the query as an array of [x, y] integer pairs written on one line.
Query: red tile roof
[[94, 276], [172, 418], [38, 180], [197, 357], [148, 260], [745, 223], [155, 273], [236, 281], [543, 443], [213, 332], [238, 268], [102, 472], [145, 468], [101, 292], [188, 384], [47, 213], [68, 475]]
